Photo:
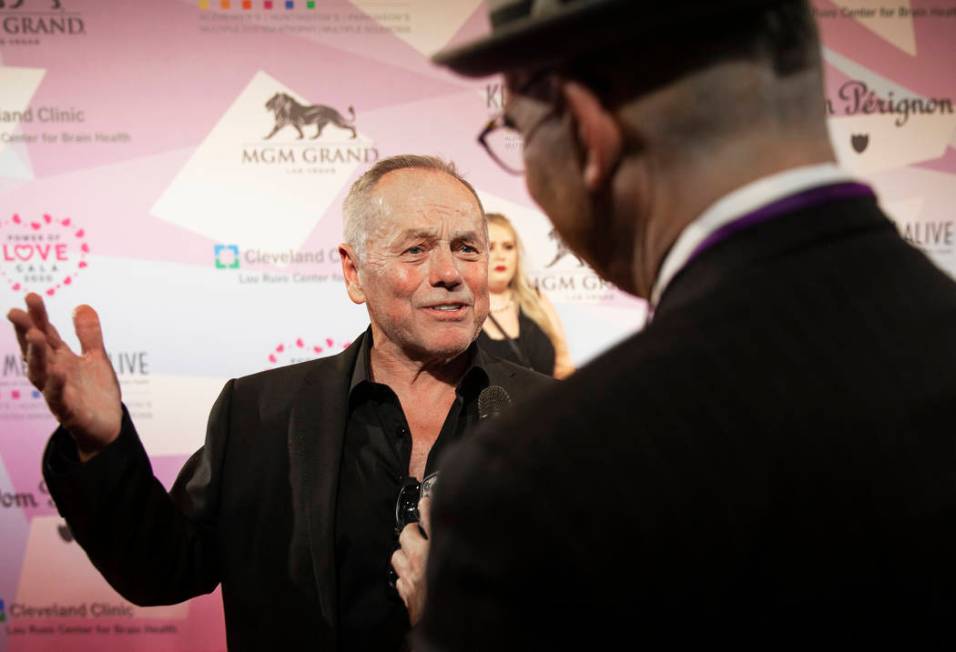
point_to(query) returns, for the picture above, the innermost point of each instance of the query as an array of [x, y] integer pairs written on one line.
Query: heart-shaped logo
[[41, 255], [300, 351]]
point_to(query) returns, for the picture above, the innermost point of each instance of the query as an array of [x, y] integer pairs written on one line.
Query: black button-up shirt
[[375, 459]]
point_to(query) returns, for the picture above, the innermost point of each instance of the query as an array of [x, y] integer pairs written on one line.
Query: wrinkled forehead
[[423, 200]]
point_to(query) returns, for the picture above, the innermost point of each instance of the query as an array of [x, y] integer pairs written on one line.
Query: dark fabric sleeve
[[153, 547], [484, 558]]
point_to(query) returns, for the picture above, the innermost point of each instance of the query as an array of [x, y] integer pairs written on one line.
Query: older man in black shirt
[[291, 503], [374, 469]]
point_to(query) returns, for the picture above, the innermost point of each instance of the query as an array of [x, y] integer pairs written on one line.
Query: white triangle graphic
[[15, 163], [426, 25], [17, 87], [240, 188]]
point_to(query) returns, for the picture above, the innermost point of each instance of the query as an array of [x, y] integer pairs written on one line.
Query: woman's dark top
[[532, 341]]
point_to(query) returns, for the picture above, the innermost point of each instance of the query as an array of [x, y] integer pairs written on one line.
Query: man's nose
[[444, 270]]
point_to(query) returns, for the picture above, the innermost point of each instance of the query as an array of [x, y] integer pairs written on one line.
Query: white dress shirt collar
[[737, 204]]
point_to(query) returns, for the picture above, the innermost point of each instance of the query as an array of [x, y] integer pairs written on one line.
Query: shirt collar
[[735, 204], [475, 372]]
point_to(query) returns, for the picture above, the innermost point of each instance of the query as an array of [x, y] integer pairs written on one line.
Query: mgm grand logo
[[34, 18], [562, 250], [45, 4], [309, 147]]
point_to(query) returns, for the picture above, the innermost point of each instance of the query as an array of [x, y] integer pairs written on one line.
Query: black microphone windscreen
[[492, 401]]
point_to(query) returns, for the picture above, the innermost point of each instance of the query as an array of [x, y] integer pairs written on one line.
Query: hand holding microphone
[[412, 517]]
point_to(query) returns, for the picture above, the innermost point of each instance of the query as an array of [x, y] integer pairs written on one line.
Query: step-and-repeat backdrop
[[143, 171]]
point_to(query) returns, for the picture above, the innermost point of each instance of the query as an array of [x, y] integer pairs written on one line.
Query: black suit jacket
[[775, 452], [253, 509]]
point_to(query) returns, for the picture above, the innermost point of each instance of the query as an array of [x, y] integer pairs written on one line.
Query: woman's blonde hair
[[527, 297]]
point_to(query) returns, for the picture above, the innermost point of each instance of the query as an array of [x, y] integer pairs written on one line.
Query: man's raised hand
[[81, 390]]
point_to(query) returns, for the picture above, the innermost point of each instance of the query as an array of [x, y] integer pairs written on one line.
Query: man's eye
[[468, 249], [417, 249]]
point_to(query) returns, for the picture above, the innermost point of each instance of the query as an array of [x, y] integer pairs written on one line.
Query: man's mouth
[[447, 307]]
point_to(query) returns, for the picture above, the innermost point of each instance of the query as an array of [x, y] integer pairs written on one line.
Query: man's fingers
[[88, 330], [399, 561], [21, 324], [36, 357], [40, 319], [411, 537], [425, 516], [404, 589]]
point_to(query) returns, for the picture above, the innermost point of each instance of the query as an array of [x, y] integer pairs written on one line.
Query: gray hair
[[359, 210]]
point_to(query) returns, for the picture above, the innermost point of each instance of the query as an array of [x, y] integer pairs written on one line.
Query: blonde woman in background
[[522, 326]]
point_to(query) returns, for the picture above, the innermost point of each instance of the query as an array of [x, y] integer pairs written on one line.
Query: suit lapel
[[316, 437]]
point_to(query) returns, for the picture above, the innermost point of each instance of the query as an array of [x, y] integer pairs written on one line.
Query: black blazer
[[253, 509], [775, 451]]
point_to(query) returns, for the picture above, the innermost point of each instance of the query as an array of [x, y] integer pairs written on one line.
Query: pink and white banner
[[143, 170]]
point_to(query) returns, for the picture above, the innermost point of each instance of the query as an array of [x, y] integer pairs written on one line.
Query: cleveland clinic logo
[[314, 137], [227, 256], [279, 266], [44, 254]]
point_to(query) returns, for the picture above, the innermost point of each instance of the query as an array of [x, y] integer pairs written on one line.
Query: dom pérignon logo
[[44, 254], [291, 113], [859, 142]]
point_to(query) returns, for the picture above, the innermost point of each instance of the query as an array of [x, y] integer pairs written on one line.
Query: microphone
[[492, 401]]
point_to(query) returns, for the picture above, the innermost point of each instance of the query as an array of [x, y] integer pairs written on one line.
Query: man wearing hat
[[774, 451]]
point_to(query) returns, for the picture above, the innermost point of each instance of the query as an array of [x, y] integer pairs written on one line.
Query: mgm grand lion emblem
[[18, 3], [290, 112], [563, 250]]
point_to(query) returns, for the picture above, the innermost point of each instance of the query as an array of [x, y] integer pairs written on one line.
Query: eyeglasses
[[406, 507], [412, 491], [503, 142], [501, 137], [406, 510]]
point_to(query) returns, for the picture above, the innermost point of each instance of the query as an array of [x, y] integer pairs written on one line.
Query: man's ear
[[351, 273], [598, 133]]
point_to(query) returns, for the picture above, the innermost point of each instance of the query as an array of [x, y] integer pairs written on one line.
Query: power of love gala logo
[[41, 255], [300, 350]]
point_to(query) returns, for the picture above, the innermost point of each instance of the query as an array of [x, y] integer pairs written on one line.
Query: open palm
[[81, 390]]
